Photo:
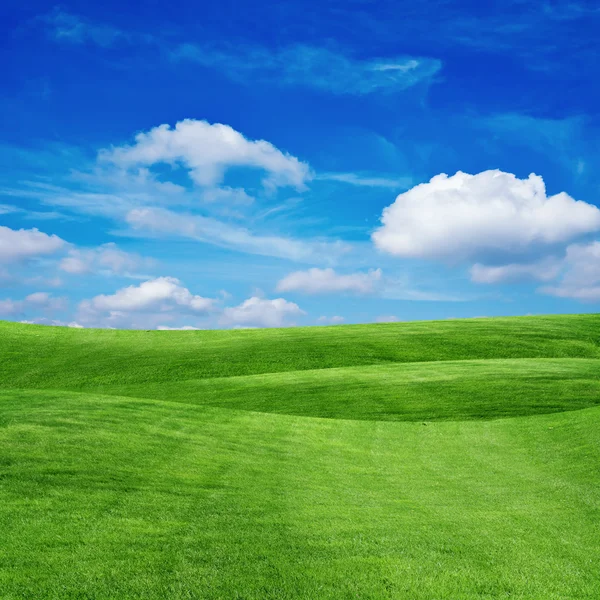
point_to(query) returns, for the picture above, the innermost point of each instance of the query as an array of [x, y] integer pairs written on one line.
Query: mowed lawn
[[432, 460]]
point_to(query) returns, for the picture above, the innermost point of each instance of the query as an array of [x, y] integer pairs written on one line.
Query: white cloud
[[315, 67], [545, 270], [208, 150], [23, 244], [323, 281], [74, 265], [46, 301], [67, 27], [401, 288], [145, 306], [227, 195], [10, 307], [261, 312], [54, 322], [106, 258], [335, 320], [577, 275], [387, 319], [362, 180], [184, 328], [41, 281], [160, 294], [141, 210], [465, 216], [207, 229], [38, 301], [581, 279], [148, 207]]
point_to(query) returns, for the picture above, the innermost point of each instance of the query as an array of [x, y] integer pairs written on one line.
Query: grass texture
[[434, 460]]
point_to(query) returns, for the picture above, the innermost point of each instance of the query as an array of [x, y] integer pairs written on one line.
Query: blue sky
[[299, 163]]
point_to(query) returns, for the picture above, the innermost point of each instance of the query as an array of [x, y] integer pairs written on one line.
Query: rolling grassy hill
[[432, 460]]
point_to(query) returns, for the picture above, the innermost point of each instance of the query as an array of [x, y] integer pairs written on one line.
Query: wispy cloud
[[107, 259], [38, 301], [162, 222], [34, 215], [315, 67], [544, 270], [145, 215], [561, 140], [67, 27], [6, 209], [327, 281], [568, 11], [399, 290], [365, 180], [141, 189], [545, 36], [581, 277], [326, 69]]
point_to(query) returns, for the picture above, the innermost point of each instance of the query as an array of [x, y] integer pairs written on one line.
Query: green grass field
[[433, 460]]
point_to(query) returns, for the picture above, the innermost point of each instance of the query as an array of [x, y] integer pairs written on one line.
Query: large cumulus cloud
[[471, 216]]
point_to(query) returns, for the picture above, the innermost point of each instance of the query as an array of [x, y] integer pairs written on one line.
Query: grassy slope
[[445, 390], [36, 356], [147, 480]]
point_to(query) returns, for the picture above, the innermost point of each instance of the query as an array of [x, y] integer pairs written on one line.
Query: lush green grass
[[447, 390], [456, 460], [42, 357]]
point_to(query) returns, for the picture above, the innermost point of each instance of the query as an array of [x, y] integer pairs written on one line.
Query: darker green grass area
[[440, 391], [59, 357], [451, 460]]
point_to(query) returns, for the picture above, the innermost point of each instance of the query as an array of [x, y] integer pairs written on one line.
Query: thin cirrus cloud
[[162, 222], [327, 281], [65, 27], [544, 270], [565, 141], [321, 68], [6, 209], [107, 258], [121, 186], [370, 181], [313, 67], [469, 216]]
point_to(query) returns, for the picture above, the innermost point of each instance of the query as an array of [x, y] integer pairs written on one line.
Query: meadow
[[438, 460]]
